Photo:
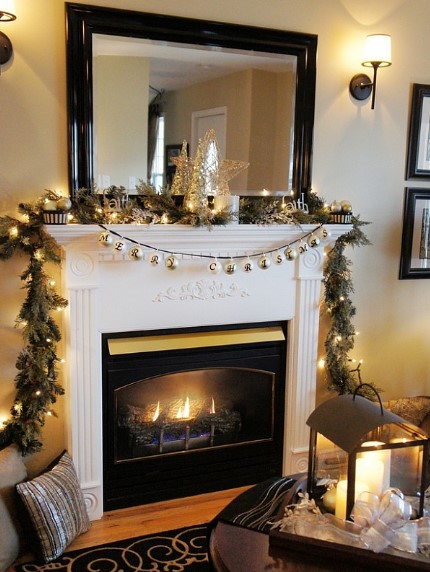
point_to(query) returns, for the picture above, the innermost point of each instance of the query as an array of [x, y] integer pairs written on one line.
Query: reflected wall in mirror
[[123, 66]]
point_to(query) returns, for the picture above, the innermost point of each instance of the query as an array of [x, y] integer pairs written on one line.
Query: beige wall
[[359, 155]]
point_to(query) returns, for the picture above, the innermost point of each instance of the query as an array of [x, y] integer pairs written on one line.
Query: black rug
[[182, 550], [185, 549]]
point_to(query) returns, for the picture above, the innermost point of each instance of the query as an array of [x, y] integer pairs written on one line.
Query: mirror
[[199, 75]]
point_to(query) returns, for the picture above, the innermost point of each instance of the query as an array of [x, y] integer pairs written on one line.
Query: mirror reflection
[[150, 96]]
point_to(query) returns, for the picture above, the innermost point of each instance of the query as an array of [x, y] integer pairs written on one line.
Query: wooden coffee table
[[236, 549]]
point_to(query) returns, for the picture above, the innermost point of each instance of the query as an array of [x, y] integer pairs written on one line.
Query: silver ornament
[[155, 259], [105, 239], [291, 253], [313, 241], [264, 262], [230, 267], [323, 233], [135, 253], [247, 265], [278, 257], [214, 267], [119, 245], [171, 262], [303, 247]]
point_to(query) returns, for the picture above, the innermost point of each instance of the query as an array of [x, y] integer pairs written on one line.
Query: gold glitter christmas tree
[[181, 178], [205, 175], [195, 196]]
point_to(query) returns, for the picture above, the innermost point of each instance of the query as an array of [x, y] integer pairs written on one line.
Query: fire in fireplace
[[191, 411]]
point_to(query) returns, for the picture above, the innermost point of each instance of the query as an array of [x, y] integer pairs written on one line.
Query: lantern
[[361, 446]]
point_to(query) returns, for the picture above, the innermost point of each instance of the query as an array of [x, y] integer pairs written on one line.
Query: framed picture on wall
[[415, 254], [418, 162]]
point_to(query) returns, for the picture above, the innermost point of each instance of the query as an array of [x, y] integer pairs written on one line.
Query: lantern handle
[[371, 387]]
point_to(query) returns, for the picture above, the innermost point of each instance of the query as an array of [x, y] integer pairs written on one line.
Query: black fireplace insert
[[191, 411]]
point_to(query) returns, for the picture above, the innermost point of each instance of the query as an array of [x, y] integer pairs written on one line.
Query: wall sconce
[[364, 447], [377, 54], [7, 14]]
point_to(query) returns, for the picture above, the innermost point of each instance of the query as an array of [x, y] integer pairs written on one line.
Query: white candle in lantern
[[372, 470], [384, 456], [341, 491]]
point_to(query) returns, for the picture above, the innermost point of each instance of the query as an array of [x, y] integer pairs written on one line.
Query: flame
[[212, 409], [157, 412], [184, 411]]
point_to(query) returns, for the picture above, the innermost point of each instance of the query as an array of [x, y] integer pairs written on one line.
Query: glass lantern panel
[[396, 463], [406, 469], [395, 431], [331, 462]]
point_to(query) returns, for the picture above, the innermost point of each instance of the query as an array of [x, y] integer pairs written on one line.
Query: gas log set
[[177, 425]]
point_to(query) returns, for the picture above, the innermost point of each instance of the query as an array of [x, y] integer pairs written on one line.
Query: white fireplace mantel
[[108, 292]]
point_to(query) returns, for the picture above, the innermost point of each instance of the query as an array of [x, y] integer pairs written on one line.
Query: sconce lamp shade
[[377, 49], [359, 446], [7, 10], [377, 54]]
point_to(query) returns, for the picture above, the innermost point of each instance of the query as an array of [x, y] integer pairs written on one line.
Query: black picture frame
[[418, 163], [415, 253], [170, 167]]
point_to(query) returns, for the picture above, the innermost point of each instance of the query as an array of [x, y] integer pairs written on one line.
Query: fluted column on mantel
[[302, 361], [85, 377]]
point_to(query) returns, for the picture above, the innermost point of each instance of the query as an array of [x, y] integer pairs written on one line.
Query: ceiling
[[175, 66]]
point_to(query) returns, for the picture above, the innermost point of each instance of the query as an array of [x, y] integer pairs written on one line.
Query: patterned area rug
[[180, 550]]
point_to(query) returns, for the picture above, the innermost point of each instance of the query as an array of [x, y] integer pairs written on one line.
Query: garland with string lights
[[37, 387], [339, 342], [36, 382]]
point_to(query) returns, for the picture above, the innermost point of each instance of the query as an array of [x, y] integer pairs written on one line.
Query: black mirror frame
[[82, 21]]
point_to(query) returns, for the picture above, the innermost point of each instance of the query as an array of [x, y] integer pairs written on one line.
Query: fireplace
[[191, 411], [110, 295]]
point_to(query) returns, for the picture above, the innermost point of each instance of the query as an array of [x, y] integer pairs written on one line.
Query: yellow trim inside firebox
[[119, 346]]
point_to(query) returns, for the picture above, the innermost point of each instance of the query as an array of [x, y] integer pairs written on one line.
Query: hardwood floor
[[151, 518]]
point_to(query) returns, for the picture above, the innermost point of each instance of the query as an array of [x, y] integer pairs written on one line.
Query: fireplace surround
[[110, 294]]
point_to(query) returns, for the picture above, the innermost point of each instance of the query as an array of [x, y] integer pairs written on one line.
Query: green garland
[[36, 383]]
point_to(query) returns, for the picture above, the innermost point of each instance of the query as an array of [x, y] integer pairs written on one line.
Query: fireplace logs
[[178, 425]]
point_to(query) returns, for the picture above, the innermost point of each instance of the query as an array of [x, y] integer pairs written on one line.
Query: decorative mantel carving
[[202, 290], [108, 292]]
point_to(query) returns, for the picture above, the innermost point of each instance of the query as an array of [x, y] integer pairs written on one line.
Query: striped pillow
[[56, 506]]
